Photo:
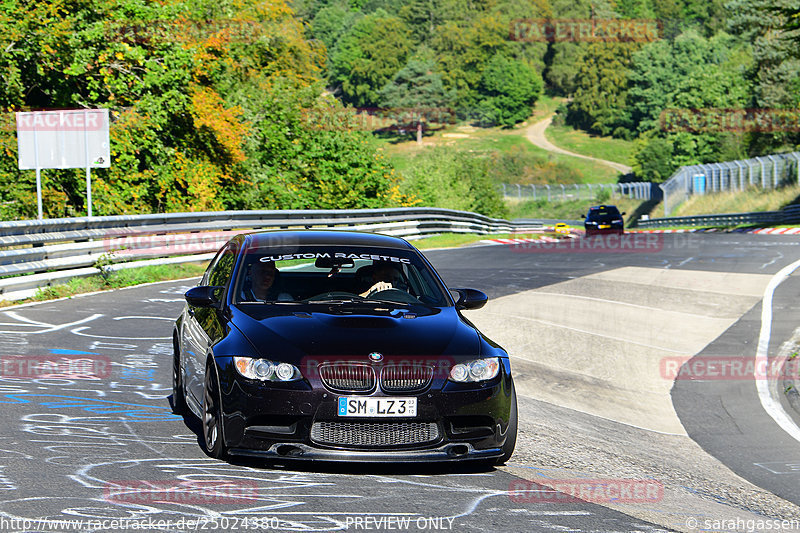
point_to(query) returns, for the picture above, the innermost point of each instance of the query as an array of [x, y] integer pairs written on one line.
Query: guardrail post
[[548, 193], [563, 193], [519, 192], [533, 189]]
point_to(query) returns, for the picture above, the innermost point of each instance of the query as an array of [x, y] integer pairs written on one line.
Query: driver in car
[[385, 277]]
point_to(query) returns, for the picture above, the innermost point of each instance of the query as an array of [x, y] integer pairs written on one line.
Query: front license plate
[[605, 226], [377, 407]]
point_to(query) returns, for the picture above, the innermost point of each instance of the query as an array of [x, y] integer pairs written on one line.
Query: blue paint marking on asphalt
[[137, 412], [139, 373], [58, 351]]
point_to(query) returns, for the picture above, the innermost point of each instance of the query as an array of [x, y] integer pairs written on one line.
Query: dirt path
[[535, 134]]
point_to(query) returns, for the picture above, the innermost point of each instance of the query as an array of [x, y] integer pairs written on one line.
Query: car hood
[[328, 331]]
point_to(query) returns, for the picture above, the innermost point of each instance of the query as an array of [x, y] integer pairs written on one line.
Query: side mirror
[[623, 213], [582, 216], [203, 296], [470, 299]]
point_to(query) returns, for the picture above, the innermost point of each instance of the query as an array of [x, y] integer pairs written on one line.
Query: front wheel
[[212, 419], [178, 398], [511, 432]]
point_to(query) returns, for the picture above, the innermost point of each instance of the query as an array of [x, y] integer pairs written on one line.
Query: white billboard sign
[[63, 139], [71, 138]]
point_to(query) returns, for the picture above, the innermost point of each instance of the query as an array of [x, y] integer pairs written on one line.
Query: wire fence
[[579, 191], [767, 172]]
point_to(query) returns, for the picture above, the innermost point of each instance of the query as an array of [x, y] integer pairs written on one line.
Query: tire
[[213, 442], [178, 395], [511, 439]]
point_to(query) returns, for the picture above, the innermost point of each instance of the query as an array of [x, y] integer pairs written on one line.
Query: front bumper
[[277, 421], [594, 230], [293, 450]]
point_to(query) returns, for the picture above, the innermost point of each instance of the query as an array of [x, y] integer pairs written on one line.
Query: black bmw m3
[[342, 346]]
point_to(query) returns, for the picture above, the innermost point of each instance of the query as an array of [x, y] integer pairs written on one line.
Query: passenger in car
[[265, 284]]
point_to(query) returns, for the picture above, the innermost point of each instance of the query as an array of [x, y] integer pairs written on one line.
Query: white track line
[[773, 407]]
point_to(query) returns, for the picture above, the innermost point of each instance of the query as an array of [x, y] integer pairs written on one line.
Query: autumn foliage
[[205, 103]]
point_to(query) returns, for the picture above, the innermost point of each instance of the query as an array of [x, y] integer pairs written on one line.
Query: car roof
[[323, 237], [601, 207]]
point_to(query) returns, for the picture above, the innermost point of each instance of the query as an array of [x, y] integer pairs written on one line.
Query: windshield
[[603, 214], [337, 274]]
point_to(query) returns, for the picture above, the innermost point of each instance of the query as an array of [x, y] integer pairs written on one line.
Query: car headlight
[[265, 370], [477, 370]]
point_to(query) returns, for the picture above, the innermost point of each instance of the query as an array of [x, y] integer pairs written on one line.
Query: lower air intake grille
[[374, 434]]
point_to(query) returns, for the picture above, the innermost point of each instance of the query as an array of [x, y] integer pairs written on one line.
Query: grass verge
[[542, 166], [452, 240], [580, 142], [747, 201], [566, 210], [115, 280]]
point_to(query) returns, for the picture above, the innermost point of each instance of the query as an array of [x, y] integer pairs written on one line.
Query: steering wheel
[[334, 295], [392, 293]]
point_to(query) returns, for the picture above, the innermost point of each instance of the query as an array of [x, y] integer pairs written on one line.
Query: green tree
[[776, 65], [689, 73], [653, 159], [509, 89], [447, 178], [368, 55], [308, 153], [463, 50], [419, 88], [207, 99], [599, 104]]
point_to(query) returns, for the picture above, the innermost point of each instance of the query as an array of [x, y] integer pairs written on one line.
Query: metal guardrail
[[788, 215], [38, 253]]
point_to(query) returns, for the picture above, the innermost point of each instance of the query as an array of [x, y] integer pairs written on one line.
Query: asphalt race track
[[108, 447]]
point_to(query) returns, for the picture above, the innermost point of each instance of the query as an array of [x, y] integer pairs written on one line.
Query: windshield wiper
[[359, 301], [270, 302]]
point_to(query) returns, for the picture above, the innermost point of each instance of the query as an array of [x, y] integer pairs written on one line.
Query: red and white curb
[[778, 231], [521, 240]]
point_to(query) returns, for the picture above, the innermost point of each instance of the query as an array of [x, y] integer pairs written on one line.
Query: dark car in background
[[341, 346], [603, 219]]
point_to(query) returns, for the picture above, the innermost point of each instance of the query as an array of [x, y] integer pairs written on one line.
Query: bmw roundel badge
[[376, 357]]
